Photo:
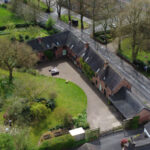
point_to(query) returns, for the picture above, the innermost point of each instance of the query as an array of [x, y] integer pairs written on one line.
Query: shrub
[[49, 54], [64, 142], [3, 5], [86, 69], [27, 37], [81, 121], [39, 111], [50, 103], [6, 142], [21, 38], [50, 23]]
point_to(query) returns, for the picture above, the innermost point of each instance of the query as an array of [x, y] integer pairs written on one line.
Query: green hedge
[[64, 142]]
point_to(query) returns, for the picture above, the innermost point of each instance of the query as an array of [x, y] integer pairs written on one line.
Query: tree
[[48, 3], [95, 4], [68, 4], [39, 111], [15, 54], [6, 142], [81, 4], [59, 4], [137, 25]]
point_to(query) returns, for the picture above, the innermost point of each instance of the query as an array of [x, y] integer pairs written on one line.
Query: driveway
[[98, 113]]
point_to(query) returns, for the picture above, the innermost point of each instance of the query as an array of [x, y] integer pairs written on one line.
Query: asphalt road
[[112, 141]]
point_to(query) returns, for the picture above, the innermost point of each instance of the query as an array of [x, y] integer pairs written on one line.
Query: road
[[112, 141]]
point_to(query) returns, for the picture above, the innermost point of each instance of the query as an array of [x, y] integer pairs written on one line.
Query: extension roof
[[110, 77], [126, 103], [88, 146], [147, 127]]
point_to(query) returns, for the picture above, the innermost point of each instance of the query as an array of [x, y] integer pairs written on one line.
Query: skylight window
[[48, 46], [98, 70], [83, 54], [87, 59], [104, 78], [71, 46], [57, 43]]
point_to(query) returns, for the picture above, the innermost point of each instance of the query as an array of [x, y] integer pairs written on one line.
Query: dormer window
[[48, 46], [57, 43], [104, 78], [98, 70], [71, 46], [86, 59], [83, 54]]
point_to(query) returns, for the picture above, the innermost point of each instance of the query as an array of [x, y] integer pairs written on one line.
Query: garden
[[41, 104], [103, 38]]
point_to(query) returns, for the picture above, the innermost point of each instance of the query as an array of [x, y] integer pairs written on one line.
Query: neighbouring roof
[[126, 103], [140, 145], [45, 43], [147, 127], [77, 131], [110, 77], [88, 146]]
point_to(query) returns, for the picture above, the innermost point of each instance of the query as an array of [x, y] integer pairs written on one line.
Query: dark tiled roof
[[110, 77], [126, 103], [74, 44], [88, 146], [93, 60], [45, 43], [147, 127]]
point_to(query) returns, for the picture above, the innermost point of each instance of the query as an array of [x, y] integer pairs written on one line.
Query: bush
[[87, 69], [49, 54], [50, 23], [27, 37], [3, 6], [81, 121], [51, 103], [6, 142], [21, 38], [64, 142]]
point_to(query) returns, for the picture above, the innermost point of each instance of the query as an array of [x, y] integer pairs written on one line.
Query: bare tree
[[48, 3], [59, 4], [15, 54]]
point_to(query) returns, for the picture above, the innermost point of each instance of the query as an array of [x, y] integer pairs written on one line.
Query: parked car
[[54, 71]]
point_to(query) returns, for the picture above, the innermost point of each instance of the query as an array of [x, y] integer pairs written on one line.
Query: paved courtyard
[[98, 113]]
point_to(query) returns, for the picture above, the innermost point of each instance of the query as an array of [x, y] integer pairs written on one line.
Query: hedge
[[64, 142]]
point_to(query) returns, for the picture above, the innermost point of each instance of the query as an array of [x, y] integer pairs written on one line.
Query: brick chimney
[[105, 64], [40, 40], [86, 45]]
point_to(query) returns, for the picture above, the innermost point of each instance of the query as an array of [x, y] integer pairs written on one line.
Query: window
[[83, 54], [98, 70], [64, 52], [71, 46], [86, 59], [104, 78]]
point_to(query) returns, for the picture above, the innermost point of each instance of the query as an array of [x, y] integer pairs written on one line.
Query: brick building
[[105, 78]]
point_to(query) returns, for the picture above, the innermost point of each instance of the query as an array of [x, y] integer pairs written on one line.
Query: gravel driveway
[[98, 113]]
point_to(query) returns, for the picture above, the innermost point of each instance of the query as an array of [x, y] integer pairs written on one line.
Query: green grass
[[127, 51], [31, 32], [69, 96], [65, 19], [6, 17]]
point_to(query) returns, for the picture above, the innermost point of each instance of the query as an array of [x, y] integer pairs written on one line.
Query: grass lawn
[[69, 96], [7, 17], [127, 52], [65, 19], [26, 33]]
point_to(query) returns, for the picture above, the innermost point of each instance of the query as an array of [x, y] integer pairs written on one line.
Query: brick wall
[[144, 116]]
